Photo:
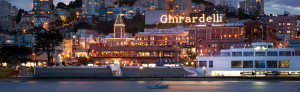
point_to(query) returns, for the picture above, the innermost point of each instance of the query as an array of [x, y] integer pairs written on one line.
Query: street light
[[204, 70], [141, 68]]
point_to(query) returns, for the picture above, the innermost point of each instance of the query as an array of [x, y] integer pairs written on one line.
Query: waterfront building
[[211, 38], [261, 60], [135, 55], [253, 7], [43, 7], [286, 26], [232, 3], [162, 37]]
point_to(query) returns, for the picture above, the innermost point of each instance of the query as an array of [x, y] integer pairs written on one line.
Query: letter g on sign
[[164, 19]]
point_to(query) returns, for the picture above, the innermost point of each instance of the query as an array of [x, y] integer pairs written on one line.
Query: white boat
[[261, 60]]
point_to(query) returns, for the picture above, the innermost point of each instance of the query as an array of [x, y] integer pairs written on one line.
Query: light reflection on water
[[141, 86]]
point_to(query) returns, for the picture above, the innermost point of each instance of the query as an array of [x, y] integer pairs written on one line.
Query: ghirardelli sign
[[214, 18]]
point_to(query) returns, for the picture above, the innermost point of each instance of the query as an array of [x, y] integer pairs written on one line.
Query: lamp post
[[141, 68], [204, 70]]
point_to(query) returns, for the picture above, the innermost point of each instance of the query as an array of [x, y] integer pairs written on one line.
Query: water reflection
[[140, 86]]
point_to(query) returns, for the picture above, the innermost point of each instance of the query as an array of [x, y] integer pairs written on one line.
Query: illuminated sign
[[201, 19]]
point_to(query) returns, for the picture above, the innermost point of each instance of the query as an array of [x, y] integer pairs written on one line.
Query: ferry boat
[[261, 60]]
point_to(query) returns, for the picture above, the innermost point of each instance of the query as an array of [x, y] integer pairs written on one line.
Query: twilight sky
[[271, 6]]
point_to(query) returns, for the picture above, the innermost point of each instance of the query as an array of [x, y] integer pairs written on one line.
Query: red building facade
[[210, 39]]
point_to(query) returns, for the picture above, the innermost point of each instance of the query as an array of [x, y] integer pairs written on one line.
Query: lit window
[[271, 20], [288, 31], [288, 24]]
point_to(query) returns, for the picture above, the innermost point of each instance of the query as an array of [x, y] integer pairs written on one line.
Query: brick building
[[160, 37], [210, 39], [286, 26]]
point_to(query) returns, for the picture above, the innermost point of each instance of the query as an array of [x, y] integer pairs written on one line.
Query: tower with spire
[[119, 27]]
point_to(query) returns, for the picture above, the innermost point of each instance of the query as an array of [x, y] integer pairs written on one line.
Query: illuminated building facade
[[42, 7], [253, 7], [161, 37], [120, 38], [135, 55], [7, 16], [286, 26], [210, 39], [232, 3], [183, 6], [119, 27]]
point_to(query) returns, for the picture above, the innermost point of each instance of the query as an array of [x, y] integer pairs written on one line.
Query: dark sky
[[271, 6]]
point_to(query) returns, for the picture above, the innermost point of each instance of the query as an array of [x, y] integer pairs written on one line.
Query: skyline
[[271, 6]]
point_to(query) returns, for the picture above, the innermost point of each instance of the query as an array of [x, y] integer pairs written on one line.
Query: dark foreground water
[[140, 86]]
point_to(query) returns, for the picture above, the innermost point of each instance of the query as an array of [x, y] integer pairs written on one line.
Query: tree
[[75, 4], [191, 56], [56, 23], [14, 54], [46, 41], [203, 2], [73, 16], [136, 24], [61, 5], [52, 7], [83, 60], [19, 15]]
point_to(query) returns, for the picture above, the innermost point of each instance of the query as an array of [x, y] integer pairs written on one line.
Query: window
[[211, 64], [272, 53], [260, 53], [248, 53], [202, 64], [225, 54], [260, 64], [236, 53], [285, 53], [272, 64], [247, 64], [236, 64], [271, 20], [284, 64]]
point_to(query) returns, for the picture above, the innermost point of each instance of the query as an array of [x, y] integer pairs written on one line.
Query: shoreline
[[269, 79]]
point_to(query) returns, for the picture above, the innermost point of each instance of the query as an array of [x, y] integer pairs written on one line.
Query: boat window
[[260, 64], [236, 64], [236, 53], [202, 64], [225, 54], [211, 64], [284, 53], [297, 53], [284, 64], [272, 53], [247, 64], [261, 53], [272, 64], [248, 53]]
